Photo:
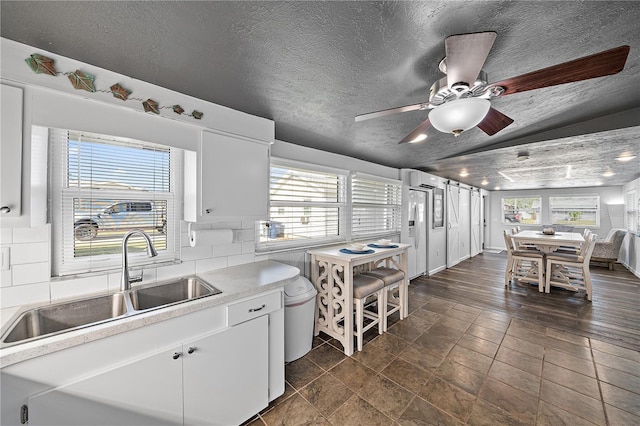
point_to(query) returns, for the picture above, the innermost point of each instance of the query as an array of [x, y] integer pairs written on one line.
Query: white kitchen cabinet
[[217, 366], [10, 151], [226, 375], [226, 179], [147, 391], [219, 379]]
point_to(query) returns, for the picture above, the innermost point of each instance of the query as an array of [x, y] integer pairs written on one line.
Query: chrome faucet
[[125, 281]]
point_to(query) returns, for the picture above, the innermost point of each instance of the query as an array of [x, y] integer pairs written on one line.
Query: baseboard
[[630, 269], [438, 269]]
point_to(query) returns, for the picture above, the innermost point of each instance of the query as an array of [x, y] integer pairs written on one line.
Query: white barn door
[[453, 225], [464, 223], [476, 229]]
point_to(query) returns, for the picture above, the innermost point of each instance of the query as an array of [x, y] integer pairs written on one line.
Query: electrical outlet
[[6, 251]]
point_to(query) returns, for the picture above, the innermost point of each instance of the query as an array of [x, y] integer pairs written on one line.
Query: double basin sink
[[63, 317]]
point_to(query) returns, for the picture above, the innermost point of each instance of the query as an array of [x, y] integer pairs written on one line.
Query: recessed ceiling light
[[522, 156], [464, 173], [625, 156], [418, 138], [484, 182], [497, 188], [608, 173]]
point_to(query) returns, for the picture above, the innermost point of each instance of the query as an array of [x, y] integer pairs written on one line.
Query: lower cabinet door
[[147, 391], [226, 374]]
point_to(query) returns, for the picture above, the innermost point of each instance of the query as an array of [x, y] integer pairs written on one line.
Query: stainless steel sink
[[64, 317], [170, 293], [52, 319]]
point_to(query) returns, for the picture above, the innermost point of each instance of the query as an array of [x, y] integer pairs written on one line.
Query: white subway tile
[[31, 235], [79, 286], [227, 250], [227, 225], [261, 257], [240, 259], [24, 294], [176, 271], [29, 253], [248, 224], [5, 278], [210, 264], [6, 235], [248, 248], [31, 273], [196, 253]]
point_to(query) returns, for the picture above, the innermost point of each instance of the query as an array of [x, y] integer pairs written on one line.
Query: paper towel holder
[[235, 234]]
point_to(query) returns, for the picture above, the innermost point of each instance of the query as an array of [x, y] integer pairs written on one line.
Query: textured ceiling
[[313, 66]]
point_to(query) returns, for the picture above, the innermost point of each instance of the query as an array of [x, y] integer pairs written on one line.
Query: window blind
[[376, 205], [575, 210], [306, 206], [103, 187]]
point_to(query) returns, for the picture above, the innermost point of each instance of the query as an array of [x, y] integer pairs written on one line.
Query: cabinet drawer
[[253, 308]]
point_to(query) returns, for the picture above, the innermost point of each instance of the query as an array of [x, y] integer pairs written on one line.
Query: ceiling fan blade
[[494, 121], [421, 129], [599, 65], [391, 111], [466, 54]]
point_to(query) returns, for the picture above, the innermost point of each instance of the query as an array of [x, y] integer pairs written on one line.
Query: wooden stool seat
[[393, 279], [363, 287]]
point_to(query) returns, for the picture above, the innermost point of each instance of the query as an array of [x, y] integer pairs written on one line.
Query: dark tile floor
[[451, 363]]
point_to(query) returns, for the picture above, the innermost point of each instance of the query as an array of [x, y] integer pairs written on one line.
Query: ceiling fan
[[461, 100]]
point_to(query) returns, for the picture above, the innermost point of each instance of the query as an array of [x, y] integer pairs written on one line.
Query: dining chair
[[395, 292], [365, 286], [523, 265], [571, 271]]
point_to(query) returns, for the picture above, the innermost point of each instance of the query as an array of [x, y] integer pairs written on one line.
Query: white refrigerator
[[418, 231]]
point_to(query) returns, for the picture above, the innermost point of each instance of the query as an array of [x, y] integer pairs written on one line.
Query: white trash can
[[299, 305]]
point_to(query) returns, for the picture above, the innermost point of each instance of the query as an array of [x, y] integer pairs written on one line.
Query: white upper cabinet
[[226, 179], [11, 152]]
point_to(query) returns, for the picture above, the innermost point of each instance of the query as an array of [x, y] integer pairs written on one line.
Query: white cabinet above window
[[226, 179]]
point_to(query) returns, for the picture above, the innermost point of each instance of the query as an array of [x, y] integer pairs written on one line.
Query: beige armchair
[[606, 250]]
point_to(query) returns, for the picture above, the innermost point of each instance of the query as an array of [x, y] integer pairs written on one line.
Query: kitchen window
[[376, 205], [521, 210], [101, 188], [575, 210], [307, 206]]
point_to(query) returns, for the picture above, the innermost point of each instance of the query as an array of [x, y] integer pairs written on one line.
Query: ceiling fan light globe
[[459, 115]]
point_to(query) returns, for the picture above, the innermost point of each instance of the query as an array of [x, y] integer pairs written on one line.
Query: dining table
[[332, 271], [548, 243]]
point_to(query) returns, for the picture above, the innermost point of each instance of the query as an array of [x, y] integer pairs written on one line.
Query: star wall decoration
[[151, 106], [120, 92], [82, 81], [41, 64]]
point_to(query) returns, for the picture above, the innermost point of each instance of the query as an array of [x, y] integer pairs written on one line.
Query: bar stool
[[365, 286], [393, 279]]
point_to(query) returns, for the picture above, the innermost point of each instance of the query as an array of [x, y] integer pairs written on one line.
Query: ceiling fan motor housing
[[441, 93]]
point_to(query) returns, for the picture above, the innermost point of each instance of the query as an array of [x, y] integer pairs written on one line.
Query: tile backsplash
[[27, 279]]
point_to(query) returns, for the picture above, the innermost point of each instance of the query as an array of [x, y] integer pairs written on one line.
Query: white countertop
[[235, 283]]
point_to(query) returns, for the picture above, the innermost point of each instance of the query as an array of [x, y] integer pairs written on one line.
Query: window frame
[[597, 210], [64, 263], [341, 205], [538, 211]]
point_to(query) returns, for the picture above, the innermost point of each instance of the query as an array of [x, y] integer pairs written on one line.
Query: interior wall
[[630, 250], [608, 195]]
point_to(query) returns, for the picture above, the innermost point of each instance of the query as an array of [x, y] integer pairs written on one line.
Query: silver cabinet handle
[[258, 309], [191, 350], [208, 211], [176, 355], [5, 209]]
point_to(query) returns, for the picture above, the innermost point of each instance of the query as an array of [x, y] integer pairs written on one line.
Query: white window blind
[[575, 210], [306, 206], [376, 205], [104, 186]]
